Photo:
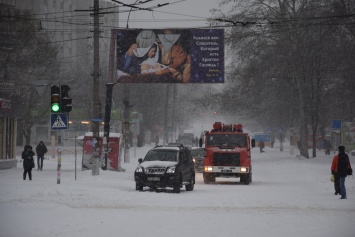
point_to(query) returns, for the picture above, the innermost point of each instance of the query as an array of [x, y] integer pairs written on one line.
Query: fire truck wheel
[[246, 179], [209, 179]]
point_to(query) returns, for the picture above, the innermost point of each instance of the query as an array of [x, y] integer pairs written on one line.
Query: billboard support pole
[[108, 106], [126, 128]]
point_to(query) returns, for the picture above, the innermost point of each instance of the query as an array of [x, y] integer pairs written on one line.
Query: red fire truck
[[227, 153]]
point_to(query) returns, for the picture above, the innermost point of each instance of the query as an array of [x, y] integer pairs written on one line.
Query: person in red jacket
[[342, 164], [336, 176]]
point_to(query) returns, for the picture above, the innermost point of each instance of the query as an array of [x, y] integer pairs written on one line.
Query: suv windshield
[[227, 140], [162, 155]]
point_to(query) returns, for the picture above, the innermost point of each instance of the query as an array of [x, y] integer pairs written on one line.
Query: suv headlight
[[139, 169], [171, 170]]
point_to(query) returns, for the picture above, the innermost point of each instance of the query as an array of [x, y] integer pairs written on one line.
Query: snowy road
[[288, 197]]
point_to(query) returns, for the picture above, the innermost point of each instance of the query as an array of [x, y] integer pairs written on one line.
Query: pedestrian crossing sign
[[59, 121]]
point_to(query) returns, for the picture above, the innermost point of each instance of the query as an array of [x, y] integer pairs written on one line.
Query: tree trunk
[[314, 139], [27, 134], [303, 121]]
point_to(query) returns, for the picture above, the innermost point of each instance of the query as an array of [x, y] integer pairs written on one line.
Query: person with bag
[[41, 149], [28, 161], [343, 168]]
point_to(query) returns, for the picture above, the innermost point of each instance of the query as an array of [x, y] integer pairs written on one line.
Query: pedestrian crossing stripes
[[59, 121]]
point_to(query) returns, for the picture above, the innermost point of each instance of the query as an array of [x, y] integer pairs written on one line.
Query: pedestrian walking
[[342, 167], [261, 145], [41, 149], [327, 147], [28, 161]]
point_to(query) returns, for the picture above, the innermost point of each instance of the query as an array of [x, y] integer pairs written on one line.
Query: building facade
[[70, 26]]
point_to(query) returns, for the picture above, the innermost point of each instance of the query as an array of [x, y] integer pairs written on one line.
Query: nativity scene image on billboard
[[170, 56]]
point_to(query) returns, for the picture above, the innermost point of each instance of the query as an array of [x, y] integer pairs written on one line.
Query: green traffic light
[[55, 107]]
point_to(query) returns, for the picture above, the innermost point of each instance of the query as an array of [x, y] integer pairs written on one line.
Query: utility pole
[[95, 94]]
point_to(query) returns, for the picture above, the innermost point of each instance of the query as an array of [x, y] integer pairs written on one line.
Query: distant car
[[198, 154], [166, 166], [187, 139]]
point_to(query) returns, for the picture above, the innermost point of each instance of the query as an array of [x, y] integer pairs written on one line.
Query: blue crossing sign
[[59, 121]]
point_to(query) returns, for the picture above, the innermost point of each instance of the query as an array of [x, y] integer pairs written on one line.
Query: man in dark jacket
[[28, 162], [41, 149], [342, 169], [327, 147], [261, 145]]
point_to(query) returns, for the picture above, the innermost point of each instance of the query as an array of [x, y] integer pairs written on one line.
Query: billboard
[[167, 56]]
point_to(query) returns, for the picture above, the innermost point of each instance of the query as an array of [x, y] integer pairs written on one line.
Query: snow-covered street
[[289, 196]]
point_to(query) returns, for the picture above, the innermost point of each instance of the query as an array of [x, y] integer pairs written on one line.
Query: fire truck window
[[227, 140]]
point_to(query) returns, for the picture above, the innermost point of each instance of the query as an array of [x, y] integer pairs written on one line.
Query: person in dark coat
[[28, 161], [156, 140], [200, 142], [327, 147], [261, 145], [41, 149], [342, 166]]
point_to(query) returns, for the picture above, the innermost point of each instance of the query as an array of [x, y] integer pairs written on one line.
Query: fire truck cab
[[227, 153]]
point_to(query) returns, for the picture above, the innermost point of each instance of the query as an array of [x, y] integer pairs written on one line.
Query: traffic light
[[55, 99], [65, 100]]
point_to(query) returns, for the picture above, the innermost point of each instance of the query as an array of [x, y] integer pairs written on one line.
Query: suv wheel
[[139, 187], [177, 185], [190, 186], [176, 188]]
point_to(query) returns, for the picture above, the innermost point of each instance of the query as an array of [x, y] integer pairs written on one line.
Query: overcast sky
[[178, 13]]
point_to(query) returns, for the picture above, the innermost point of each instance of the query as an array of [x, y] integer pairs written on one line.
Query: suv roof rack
[[158, 146], [175, 144]]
